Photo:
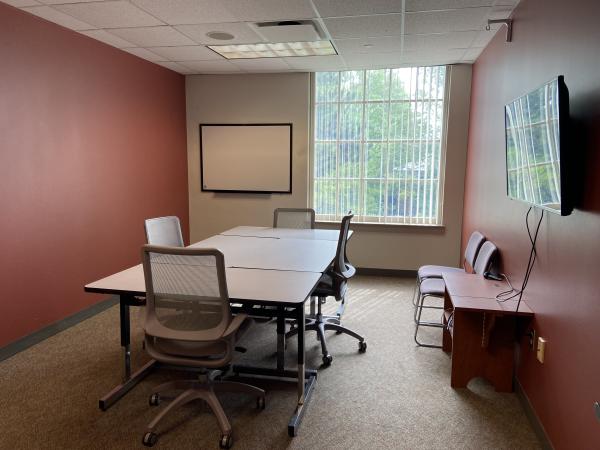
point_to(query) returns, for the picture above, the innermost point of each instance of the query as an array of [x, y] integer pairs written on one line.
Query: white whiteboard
[[246, 157]]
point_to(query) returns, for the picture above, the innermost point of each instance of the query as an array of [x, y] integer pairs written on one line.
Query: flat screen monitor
[[536, 147]]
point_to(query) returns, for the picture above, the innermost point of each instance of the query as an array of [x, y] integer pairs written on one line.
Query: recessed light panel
[[275, 50]]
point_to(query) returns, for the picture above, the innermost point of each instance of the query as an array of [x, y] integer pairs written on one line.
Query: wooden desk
[[294, 268], [482, 332]]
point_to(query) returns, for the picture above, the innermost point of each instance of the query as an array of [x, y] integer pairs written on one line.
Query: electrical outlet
[[531, 336], [541, 349]]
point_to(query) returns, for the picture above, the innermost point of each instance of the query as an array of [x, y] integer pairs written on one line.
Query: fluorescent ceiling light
[[274, 50]]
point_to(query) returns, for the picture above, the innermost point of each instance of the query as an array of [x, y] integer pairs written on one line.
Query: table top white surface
[[285, 233], [303, 255], [242, 284]]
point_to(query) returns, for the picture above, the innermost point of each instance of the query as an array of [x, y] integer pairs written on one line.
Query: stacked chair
[[479, 255], [333, 283]]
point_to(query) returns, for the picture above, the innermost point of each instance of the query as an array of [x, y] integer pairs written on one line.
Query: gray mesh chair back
[[186, 300], [485, 257], [164, 231], [189, 324], [303, 218], [341, 265], [473, 246]]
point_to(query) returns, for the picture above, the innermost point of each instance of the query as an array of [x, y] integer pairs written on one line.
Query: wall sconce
[[507, 22]]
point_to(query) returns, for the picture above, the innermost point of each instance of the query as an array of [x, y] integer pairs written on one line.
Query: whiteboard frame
[[244, 191]]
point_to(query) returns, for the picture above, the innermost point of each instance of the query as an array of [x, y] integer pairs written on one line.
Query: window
[[378, 145]]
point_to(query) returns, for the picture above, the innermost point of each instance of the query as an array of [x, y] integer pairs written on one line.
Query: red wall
[[551, 37], [92, 141]]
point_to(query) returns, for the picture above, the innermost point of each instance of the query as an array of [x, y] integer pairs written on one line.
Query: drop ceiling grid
[[367, 34]]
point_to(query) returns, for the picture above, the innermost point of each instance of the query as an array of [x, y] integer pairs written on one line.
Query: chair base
[[203, 390], [321, 323]]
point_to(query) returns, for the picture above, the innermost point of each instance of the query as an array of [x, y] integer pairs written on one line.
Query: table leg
[[129, 380], [280, 338], [305, 387]]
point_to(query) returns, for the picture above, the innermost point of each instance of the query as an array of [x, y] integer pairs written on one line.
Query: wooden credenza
[[480, 331]]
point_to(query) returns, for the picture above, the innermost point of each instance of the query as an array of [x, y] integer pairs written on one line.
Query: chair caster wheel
[[260, 403], [362, 346], [150, 439], [226, 441], [154, 400], [327, 360]]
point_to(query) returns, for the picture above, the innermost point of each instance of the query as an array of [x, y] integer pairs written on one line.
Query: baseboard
[[538, 428], [46, 332], [386, 272]]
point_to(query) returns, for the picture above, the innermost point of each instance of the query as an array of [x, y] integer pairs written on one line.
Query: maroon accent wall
[[550, 37], [92, 142]]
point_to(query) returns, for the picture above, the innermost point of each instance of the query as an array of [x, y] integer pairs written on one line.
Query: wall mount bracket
[[507, 22]]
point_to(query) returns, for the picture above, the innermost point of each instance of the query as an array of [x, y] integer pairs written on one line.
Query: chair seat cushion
[[324, 287], [433, 286], [431, 271]]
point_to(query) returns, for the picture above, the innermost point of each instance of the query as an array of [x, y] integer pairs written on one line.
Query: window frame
[[442, 173]]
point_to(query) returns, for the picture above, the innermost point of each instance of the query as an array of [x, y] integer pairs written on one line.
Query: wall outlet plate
[[541, 349], [531, 335]]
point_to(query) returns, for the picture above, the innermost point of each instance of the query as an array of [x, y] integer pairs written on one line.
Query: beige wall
[[286, 98]]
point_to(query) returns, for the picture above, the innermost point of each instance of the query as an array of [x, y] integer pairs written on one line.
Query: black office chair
[[333, 283]]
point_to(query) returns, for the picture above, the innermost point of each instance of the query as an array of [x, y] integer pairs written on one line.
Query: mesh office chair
[[333, 284], [435, 287], [189, 324], [164, 231], [303, 218]]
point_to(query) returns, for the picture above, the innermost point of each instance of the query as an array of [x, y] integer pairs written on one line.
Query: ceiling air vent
[[288, 31]]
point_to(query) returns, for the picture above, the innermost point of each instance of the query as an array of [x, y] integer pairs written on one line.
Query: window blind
[[378, 145]]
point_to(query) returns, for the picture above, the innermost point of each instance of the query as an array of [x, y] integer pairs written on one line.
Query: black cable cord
[[501, 297], [532, 255]]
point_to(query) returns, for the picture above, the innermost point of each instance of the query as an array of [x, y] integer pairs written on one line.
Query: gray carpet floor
[[396, 395]]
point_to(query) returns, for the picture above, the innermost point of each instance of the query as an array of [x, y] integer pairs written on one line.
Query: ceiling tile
[[110, 14], [265, 10], [450, 56], [365, 26], [176, 12], [262, 65], [107, 38], [342, 8], [436, 42], [51, 14], [445, 21], [369, 45], [437, 5], [242, 32], [175, 67], [153, 36], [210, 66], [364, 60], [21, 3], [472, 53], [186, 53], [144, 54], [484, 37], [316, 63], [58, 2]]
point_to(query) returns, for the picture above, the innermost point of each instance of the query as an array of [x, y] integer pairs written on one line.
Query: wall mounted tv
[[537, 160]]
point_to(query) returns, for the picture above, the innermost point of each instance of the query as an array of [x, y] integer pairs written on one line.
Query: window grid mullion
[[361, 152]]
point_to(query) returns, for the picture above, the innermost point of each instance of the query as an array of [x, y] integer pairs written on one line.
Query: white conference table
[[273, 270], [285, 233]]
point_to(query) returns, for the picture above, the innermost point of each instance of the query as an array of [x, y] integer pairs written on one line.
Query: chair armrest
[[235, 324]]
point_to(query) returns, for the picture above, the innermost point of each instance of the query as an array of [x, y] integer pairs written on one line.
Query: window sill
[[372, 226]]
